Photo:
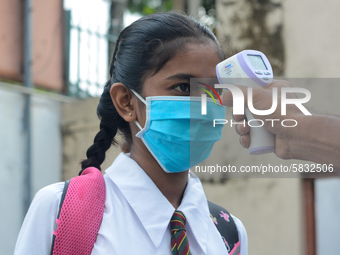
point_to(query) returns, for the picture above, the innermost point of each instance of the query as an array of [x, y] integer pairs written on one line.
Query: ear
[[121, 98]]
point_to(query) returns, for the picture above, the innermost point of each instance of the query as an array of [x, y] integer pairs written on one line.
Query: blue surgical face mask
[[176, 133]]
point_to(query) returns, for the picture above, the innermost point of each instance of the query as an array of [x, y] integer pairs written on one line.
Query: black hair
[[142, 48]]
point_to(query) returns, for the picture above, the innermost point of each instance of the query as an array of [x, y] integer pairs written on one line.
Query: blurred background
[[54, 58]]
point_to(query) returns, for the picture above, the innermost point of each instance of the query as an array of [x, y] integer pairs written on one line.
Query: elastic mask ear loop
[[141, 99]]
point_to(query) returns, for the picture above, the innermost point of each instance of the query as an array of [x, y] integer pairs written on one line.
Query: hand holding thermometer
[[252, 69]]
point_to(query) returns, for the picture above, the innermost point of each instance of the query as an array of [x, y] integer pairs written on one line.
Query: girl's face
[[195, 61]]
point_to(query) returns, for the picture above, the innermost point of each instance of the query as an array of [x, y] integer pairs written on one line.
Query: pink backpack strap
[[80, 214]]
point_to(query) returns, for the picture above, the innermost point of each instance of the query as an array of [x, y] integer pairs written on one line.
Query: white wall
[[46, 156], [312, 38], [327, 208]]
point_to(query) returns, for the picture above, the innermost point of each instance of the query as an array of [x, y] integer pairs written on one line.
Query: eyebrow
[[181, 76]]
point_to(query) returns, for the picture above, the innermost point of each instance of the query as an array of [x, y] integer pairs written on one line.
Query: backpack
[[76, 233]]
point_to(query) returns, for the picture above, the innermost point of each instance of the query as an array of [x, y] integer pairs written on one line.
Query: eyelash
[[179, 86]]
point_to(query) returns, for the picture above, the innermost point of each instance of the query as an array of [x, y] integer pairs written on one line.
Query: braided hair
[[143, 47]]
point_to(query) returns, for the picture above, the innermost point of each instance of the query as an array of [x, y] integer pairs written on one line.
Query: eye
[[183, 87]]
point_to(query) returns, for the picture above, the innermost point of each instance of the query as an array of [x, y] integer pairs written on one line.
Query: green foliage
[[146, 7], [208, 4]]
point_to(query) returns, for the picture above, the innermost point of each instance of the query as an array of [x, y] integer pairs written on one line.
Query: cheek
[[141, 114]]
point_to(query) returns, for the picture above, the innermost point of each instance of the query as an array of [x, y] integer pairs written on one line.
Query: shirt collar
[[144, 197]]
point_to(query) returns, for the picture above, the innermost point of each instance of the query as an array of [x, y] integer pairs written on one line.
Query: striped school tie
[[179, 239]]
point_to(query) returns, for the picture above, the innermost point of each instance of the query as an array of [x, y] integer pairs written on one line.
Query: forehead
[[198, 60]]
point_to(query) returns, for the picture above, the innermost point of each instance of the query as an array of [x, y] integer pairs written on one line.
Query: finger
[[245, 141], [277, 84], [238, 117], [242, 130], [227, 97]]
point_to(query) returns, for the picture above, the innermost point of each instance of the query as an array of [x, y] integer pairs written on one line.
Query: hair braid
[[96, 152]]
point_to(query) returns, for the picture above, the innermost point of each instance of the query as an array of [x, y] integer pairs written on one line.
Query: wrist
[[315, 138], [294, 137]]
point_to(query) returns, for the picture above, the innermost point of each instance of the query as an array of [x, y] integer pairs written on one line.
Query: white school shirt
[[136, 217]]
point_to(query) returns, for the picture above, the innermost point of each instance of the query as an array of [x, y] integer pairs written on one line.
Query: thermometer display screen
[[257, 62]]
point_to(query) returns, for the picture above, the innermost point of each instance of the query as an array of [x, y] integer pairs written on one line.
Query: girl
[[149, 182]]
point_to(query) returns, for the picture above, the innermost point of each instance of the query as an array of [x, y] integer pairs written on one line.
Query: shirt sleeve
[[242, 234], [35, 236]]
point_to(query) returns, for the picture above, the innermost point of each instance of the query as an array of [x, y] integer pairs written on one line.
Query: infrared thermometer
[[252, 69]]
